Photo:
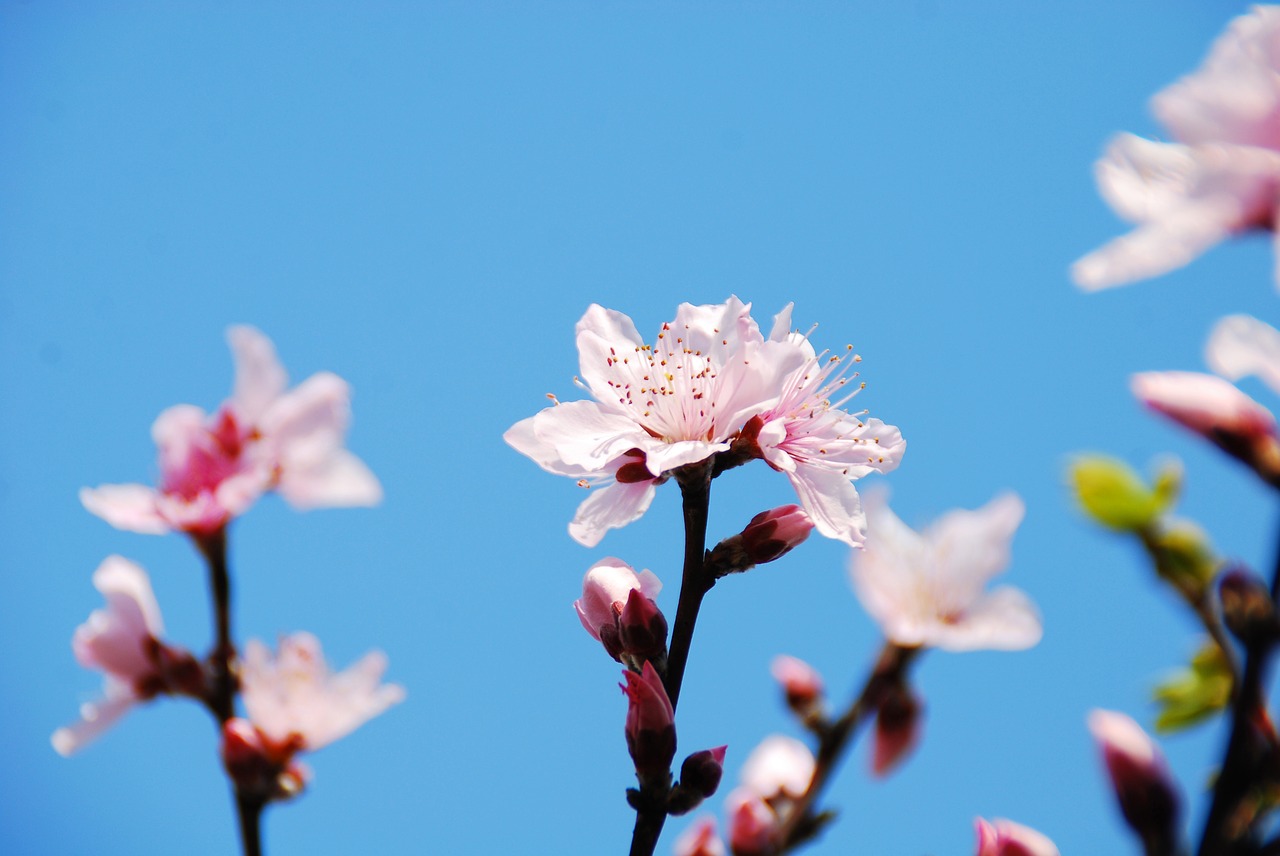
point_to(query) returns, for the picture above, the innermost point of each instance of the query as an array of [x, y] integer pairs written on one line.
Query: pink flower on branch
[[1144, 788], [213, 467], [700, 839], [709, 384], [927, 588], [123, 641], [1221, 179], [294, 697], [1006, 838]]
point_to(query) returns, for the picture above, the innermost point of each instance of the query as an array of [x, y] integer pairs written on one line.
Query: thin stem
[[695, 492], [890, 668], [1222, 828], [223, 685]]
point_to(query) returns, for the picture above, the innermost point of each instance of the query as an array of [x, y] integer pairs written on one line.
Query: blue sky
[[424, 198]]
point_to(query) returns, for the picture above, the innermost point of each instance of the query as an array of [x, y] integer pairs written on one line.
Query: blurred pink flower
[[799, 681], [778, 766], [212, 468], [123, 641], [821, 448], [700, 839], [1222, 178], [295, 697], [1144, 787], [1208, 405], [927, 588], [657, 406], [753, 824], [1006, 838]]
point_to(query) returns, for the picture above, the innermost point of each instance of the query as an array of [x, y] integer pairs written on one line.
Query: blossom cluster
[[212, 469]]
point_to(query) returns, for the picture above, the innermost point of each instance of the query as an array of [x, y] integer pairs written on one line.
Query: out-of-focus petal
[[260, 379], [131, 507], [95, 719], [1241, 345]]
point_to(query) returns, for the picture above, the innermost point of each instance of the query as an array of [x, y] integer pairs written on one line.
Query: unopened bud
[[1247, 609], [642, 631], [650, 726], [1144, 789], [606, 587], [752, 824], [261, 767], [1183, 557], [770, 535], [701, 772], [897, 728], [1006, 838]]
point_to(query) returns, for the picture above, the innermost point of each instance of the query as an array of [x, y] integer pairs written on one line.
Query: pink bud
[[752, 824], [1006, 838], [701, 772], [260, 766], [897, 729], [1203, 403], [642, 631], [605, 589], [772, 534], [800, 681], [700, 839], [650, 727], [1145, 790]]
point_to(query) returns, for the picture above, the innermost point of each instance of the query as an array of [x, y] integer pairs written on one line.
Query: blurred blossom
[[799, 681], [779, 766], [1006, 838], [260, 766], [927, 588], [1220, 179], [295, 697], [897, 729], [752, 823], [821, 448], [213, 467], [700, 839], [711, 382], [1144, 787], [123, 641]]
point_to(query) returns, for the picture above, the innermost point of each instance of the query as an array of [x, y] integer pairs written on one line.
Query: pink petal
[[831, 500], [1003, 620], [340, 480], [96, 718], [1241, 345], [610, 507], [131, 507], [1202, 403], [260, 379]]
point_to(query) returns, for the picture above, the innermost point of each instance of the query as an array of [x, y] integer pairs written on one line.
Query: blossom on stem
[[123, 641], [294, 697], [213, 467], [821, 448], [657, 406], [1144, 787], [800, 682], [927, 588], [1222, 177], [1006, 838]]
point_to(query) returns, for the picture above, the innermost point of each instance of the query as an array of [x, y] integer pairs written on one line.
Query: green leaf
[[1114, 495], [1194, 694]]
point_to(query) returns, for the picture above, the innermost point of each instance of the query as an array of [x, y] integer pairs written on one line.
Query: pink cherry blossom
[[656, 406], [295, 695], [1006, 838], [1220, 179], [821, 448], [927, 588], [700, 839], [605, 589], [123, 641], [213, 467]]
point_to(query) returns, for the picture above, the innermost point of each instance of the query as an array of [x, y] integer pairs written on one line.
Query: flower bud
[[1006, 838], [772, 534], [650, 726], [1146, 792], [801, 684], [1205, 404], [1247, 609], [642, 631], [897, 728], [606, 587], [700, 839], [260, 766], [701, 772]]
